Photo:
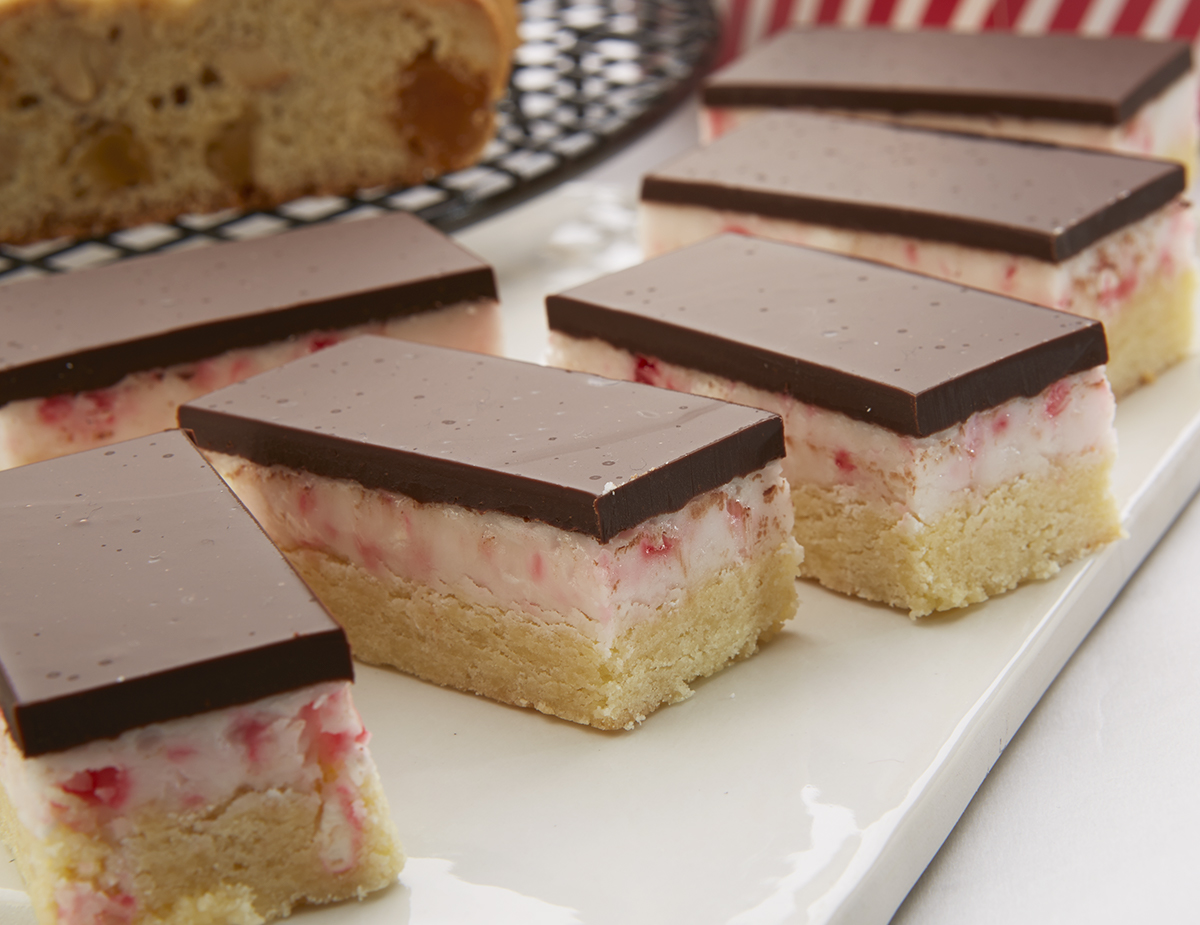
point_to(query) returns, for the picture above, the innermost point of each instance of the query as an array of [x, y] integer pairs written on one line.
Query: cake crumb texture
[[1024, 529], [242, 863], [511, 657], [116, 112]]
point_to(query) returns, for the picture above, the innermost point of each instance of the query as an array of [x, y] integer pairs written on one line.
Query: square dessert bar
[[1099, 235], [943, 444], [179, 743], [102, 355], [1119, 93], [545, 538]]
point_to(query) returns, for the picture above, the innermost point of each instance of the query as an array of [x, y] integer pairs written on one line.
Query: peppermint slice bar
[[108, 354], [545, 538], [943, 444], [1099, 235], [179, 741], [1117, 93]]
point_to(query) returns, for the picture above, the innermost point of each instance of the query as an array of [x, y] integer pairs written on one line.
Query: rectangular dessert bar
[[1099, 235], [1118, 93], [544, 538], [179, 743], [943, 444], [108, 354]]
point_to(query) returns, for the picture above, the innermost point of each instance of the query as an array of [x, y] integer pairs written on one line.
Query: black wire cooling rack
[[589, 77]]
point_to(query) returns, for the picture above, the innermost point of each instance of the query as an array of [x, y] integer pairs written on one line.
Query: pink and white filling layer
[[919, 478], [496, 559], [308, 741], [146, 401]]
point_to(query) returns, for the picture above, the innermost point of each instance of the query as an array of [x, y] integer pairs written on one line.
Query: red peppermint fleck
[[844, 461], [657, 547], [251, 734], [102, 787], [537, 567], [1056, 398], [55, 409], [321, 341], [647, 371]]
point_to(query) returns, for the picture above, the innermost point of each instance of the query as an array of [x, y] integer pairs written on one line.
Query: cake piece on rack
[[1099, 235], [107, 354], [943, 444], [1118, 93], [179, 743], [545, 538], [122, 112]]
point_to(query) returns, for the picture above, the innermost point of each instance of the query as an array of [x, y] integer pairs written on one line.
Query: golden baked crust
[[115, 112], [512, 657], [1024, 529]]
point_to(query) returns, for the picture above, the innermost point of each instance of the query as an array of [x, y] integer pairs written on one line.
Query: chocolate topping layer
[[135, 588], [1016, 197], [89, 329], [1057, 76], [572, 450], [909, 353]]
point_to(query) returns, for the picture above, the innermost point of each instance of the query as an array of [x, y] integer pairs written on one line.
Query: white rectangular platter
[[810, 784]]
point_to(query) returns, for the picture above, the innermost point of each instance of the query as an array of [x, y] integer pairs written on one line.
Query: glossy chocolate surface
[[1057, 76], [572, 450], [1016, 197], [913, 354], [135, 588], [88, 329]]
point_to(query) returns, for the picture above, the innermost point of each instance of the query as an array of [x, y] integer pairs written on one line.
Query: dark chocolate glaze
[[912, 354], [88, 329], [572, 450], [1016, 197], [135, 588], [1066, 77]]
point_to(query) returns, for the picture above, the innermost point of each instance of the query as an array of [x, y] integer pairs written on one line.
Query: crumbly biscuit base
[[511, 657], [1151, 333], [123, 112], [241, 863], [1024, 529]]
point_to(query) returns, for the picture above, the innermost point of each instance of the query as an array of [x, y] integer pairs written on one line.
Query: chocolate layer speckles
[[135, 588], [1064, 77], [575, 451], [87, 330], [909, 353], [1020, 198]]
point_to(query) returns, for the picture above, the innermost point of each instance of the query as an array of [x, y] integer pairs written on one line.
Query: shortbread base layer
[[1025, 529], [1152, 333], [247, 861], [511, 657]]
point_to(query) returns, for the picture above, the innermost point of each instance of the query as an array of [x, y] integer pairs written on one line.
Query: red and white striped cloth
[[749, 21]]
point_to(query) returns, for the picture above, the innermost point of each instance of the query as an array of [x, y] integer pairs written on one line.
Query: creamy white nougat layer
[[1098, 282], [146, 402], [491, 558], [307, 741], [1165, 127], [917, 476]]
